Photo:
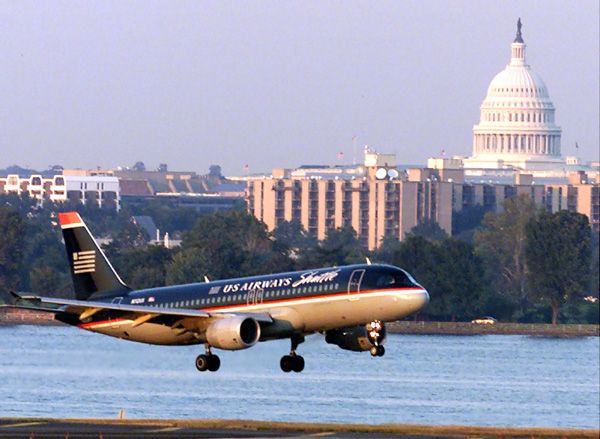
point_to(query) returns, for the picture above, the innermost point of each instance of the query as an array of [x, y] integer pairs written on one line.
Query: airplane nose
[[425, 297]]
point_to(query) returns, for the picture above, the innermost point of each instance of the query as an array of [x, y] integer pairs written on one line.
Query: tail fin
[[93, 275]]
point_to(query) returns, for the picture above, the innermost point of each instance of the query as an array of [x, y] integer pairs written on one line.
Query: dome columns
[[517, 143]]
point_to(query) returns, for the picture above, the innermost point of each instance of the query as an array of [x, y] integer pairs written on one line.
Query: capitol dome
[[516, 126]]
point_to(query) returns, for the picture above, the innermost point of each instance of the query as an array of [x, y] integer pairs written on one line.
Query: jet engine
[[233, 333], [358, 338]]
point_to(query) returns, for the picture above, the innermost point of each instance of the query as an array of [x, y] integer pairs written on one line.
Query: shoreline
[[249, 428], [12, 316]]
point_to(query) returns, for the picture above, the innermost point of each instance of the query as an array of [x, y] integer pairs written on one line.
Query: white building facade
[[104, 191]]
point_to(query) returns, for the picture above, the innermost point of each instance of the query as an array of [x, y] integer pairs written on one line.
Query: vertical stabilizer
[[93, 275]]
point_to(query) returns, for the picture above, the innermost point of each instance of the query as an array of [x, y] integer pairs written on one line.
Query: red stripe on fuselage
[[100, 322], [299, 299]]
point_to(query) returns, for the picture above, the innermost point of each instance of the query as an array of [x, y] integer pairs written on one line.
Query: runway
[[30, 428]]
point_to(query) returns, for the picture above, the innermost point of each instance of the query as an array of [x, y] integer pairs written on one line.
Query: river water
[[496, 380]]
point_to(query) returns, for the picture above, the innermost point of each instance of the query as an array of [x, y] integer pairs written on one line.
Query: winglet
[[69, 219]]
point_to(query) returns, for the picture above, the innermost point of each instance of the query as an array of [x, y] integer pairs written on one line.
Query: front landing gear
[[293, 361], [376, 335], [208, 361], [377, 351]]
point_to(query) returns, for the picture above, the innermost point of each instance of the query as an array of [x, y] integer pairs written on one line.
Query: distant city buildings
[[379, 200], [101, 190], [112, 187], [516, 150]]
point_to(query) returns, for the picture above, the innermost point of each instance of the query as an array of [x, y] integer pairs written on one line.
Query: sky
[[253, 85]]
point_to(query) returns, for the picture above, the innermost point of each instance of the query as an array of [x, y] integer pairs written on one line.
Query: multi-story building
[[101, 190], [373, 208], [379, 200]]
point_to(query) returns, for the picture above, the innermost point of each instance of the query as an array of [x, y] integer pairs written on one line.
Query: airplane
[[348, 304]]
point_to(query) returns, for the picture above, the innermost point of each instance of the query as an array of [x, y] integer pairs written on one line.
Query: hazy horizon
[[277, 84]]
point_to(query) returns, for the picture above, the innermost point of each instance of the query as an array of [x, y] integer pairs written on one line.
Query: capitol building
[[516, 151], [517, 131]]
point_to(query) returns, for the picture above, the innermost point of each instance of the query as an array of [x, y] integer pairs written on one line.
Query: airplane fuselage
[[299, 302]]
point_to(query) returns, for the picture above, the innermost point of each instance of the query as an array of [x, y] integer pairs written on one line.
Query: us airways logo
[[84, 262]]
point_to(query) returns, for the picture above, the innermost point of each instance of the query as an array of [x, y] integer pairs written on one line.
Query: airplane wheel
[[214, 362], [380, 351], [286, 363], [298, 363], [374, 351], [202, 362]]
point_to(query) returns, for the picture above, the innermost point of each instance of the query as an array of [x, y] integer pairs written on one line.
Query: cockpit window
[[388, 278], [391, 279]]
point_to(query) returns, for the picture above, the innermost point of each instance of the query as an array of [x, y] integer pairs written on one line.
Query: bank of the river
[[464, 328], [29, 427], [11, 316]]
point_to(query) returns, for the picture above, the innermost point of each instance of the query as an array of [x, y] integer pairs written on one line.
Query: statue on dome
[[519, 37]]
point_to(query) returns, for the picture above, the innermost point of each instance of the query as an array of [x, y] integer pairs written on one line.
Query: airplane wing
[[87, 308]]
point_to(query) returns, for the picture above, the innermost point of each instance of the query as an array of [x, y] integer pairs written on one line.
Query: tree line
[[521, 264]]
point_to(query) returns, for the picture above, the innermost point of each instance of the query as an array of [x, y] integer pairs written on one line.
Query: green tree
[[187, 266], [12, 229], [419, 257], [429, 229], [449, 270], [558, 251], [144, 267], [466, 221], [387, 251], [501, 244], [340, 247], [45, 267], [595, 264], [293, 236], [231, 244], [460, 280]]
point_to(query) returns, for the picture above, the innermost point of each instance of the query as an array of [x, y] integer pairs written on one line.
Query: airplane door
[[355, 280], [255, 297]]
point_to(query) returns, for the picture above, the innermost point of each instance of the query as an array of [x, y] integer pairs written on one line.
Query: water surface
[[494, 380]]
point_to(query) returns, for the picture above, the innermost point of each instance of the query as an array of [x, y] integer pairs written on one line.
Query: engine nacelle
[[358, 338], [233, 333]]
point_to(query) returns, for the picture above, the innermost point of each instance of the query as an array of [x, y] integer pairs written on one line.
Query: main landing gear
[[376, 335], [293, 361], [208, 361]]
